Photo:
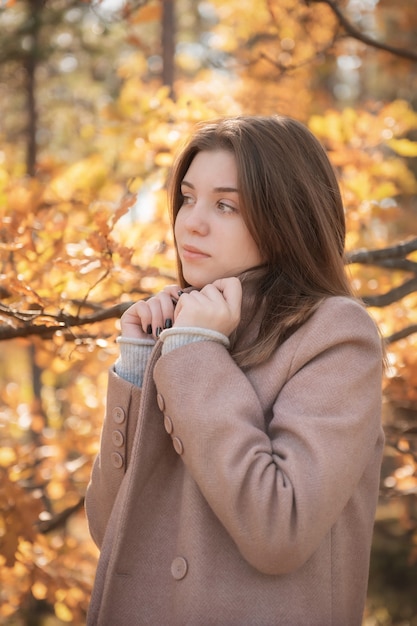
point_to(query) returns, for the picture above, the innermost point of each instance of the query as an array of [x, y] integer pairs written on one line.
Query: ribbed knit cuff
[[177, 337], [134, 355]]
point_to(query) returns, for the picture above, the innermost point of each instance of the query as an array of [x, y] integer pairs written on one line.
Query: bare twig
[[393, 295], [292, 67], [394, 258], [62, 322], [401, 334], [59, 520], [372, 257], [354, 32]]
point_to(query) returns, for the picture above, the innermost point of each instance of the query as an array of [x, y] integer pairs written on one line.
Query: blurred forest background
[[95, 97]]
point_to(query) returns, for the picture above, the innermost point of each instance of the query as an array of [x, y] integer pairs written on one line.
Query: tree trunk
[[34, 8], [168, 44], [30, 62]]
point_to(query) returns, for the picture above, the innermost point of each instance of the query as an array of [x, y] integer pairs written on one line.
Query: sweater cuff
[[134, 355], [177, 337]]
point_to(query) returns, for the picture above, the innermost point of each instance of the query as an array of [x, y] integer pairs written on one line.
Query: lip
[[191, 252]]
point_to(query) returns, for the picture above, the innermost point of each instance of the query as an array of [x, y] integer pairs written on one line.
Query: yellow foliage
[[24, 196], [4, 178], [147, 13], [7, 456], [403, 147], [87, 175], [39, 590], [90, 231], [63, 612], [401, 115]]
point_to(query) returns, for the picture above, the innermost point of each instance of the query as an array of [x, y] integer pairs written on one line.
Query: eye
[[224, 207], [186, 199]]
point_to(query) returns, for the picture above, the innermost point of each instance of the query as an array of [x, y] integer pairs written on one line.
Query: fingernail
[[168, 322], [180, 293], [149, 329], [158, 331]]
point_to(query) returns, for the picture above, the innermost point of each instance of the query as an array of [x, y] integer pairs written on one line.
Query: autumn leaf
[[403, 147]]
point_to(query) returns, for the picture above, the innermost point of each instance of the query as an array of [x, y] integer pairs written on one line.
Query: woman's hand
[[216, 306], [149, 317]]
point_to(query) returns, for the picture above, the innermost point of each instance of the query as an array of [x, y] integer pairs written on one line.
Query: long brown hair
[[291, 203]]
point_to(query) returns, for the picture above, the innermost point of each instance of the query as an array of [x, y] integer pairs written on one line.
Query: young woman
[[240, 456]]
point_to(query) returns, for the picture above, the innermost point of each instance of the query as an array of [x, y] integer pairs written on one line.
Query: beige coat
[[247, 499]]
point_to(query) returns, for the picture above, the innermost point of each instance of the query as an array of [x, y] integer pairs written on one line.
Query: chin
[[197, 281], [197, 284]]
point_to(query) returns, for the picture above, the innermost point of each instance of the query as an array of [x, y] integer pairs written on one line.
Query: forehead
[[213, 164]]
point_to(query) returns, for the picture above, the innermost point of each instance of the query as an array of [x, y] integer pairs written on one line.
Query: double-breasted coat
[[242, 498]]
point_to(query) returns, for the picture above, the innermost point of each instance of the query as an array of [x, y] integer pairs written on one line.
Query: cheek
[[256, 253], [248, 244], [177, 226]]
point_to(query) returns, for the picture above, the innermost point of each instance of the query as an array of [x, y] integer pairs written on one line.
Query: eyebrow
[[216, 189]]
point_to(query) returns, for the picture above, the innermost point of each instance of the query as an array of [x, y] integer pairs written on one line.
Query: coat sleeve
[[279, 488], [120, 422]]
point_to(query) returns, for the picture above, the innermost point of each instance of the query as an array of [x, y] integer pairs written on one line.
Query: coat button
[[119, 415], [160, 402], [117, 438], [117, 460], [178, 447], [179, 567], [169, 426]]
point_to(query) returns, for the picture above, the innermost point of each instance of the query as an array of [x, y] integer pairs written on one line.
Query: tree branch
[[46, 526], [393, 295], [60, 322], [393, 257], [401, 334], [372, 257], [292, 67], [354, 32]]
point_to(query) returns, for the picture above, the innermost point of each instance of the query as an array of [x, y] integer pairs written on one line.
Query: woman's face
[[212, 239]]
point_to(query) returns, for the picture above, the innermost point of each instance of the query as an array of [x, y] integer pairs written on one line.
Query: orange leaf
[[147, 13]]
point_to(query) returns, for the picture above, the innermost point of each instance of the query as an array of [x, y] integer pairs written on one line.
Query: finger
[[212, 292], [136, 321], [162, 312], [208, 308], [187, 300], [172, 291], [231, 288]]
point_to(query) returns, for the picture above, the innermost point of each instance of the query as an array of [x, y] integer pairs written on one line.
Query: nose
[[196, 219]]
